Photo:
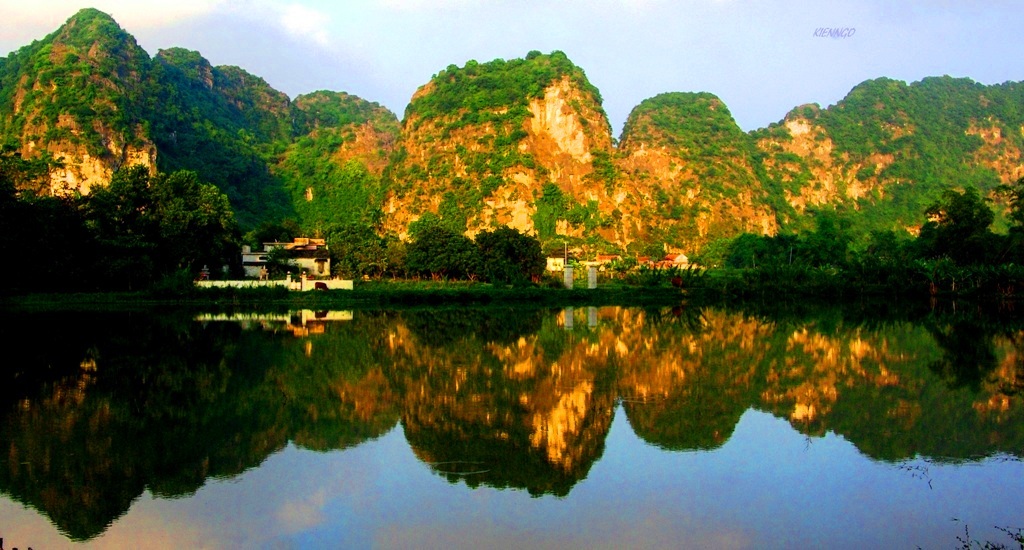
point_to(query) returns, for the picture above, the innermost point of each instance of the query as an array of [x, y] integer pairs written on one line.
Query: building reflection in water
[[504, 398]]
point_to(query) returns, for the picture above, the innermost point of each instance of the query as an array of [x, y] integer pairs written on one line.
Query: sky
[[762, 58]]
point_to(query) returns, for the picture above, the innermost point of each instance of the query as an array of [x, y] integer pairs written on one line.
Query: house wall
[[241, 284], [303, 285]]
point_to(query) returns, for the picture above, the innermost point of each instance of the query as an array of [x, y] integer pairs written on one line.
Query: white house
[[310, 255]]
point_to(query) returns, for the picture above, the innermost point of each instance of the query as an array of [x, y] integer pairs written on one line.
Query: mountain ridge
[[522, 142]]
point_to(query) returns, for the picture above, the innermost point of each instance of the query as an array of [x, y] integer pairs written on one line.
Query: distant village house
[[310, 255], [674, 260]]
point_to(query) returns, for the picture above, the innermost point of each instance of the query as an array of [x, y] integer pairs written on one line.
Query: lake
[[482, 427]]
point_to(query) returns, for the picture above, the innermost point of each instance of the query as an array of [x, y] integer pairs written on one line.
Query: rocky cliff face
[[479, 144], [888, 149], [523, 143], [684, 174], [73, 97], [689, 174]]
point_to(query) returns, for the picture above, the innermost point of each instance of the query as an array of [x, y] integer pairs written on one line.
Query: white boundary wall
[[303, 284]]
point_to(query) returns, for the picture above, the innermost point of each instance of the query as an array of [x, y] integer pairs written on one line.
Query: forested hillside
[[89, 98], [79, 96], [522, 143], [332, 168], [889, 149], [693, 175]]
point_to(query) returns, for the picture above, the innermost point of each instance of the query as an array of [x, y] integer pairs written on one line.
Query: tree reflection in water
[[122, 403]]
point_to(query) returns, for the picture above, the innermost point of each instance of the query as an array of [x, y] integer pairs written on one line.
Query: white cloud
[[128, 13], [296, 516], [417, 5], [295, 18], [304, 22]]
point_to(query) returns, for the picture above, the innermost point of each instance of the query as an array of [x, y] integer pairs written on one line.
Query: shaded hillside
[[523, 143], [223, 123], [332, 169]]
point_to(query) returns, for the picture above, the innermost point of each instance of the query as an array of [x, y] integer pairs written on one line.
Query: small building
[[558, 259], [678, 259], [308, 254], [674, 260]]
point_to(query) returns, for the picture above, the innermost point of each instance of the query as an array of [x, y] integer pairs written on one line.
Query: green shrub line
[[776, 287]]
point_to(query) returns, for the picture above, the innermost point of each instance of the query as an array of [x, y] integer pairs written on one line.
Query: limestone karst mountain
[[521, 142], [89, 97], [78, 96], [690, 174], [888, 149]]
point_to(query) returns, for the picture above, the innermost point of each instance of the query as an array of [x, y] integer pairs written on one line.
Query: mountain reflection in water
[[120, 403]]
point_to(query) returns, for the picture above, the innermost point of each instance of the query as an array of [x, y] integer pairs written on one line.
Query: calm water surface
[[611, 427]]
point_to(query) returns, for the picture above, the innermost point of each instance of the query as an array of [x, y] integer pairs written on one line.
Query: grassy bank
[[770, 285]]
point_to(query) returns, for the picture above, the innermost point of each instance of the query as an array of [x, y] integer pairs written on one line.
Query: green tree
[[551, 207], [356, 250], [194, 220], [1015, 192], [149, 227], [829, 243], [1013, 250], [441, 253], [273, 232], [508, 256], [395, 256], [120, 217], [44, 237], [747, 251], [280, 263], [958, 227]]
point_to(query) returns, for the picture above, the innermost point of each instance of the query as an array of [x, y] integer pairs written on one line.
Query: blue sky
[[761, 57]]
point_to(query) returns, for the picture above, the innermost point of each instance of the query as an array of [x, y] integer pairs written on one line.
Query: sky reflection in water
[[767, 485]]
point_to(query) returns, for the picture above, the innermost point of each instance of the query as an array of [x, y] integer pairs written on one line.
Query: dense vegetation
[[497, 91], [955, 252], [718, 161], [224, 124], [324, 164], [930, 132], [482, 109], [139, 231], [80, 84], [89, 85], [325, 191]]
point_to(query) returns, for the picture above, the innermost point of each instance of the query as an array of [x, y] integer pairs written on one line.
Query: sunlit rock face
[[508, 406], [75, 99], [480, 141], [516, 398], [688, 174]]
